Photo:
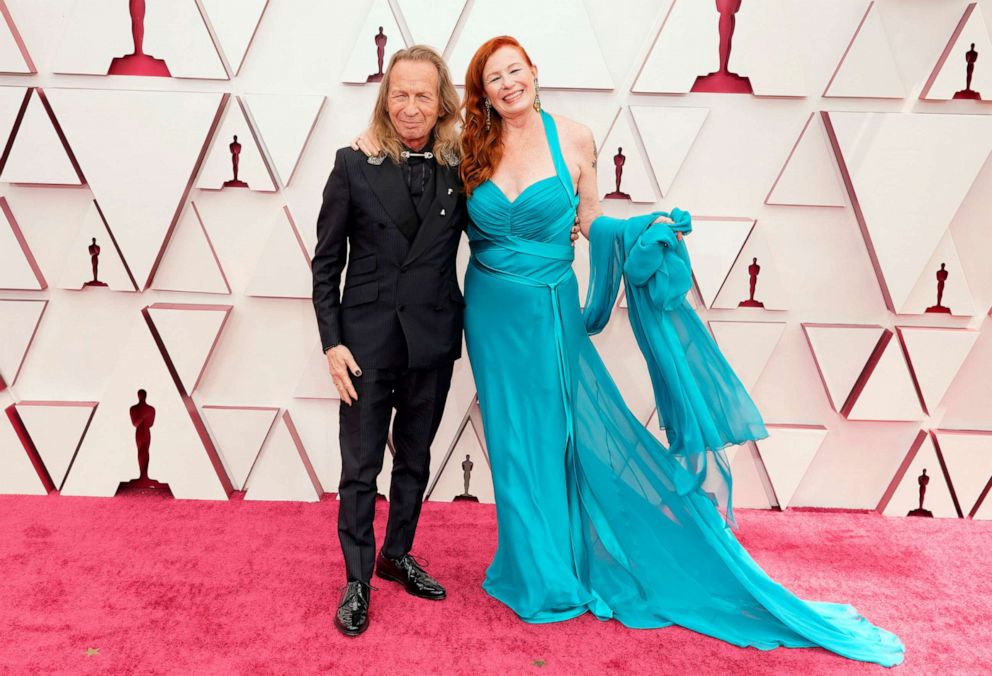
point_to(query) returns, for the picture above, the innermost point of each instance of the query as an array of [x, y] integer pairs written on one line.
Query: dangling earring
[[489, 112], [537, 96]]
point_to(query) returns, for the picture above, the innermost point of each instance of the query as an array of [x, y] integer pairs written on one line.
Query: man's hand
[[575, 230], [339, 363], [667, 221], [367, 143]]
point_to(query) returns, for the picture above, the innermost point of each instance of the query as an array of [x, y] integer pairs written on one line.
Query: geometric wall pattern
[[834, 158]]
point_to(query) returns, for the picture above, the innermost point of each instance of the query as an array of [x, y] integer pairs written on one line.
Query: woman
[[594, 514]]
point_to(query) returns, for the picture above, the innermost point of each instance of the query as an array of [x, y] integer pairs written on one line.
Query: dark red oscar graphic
[[752, 272], [723, 81], [94, 251], [923, 480], [235, 149], [137, 62], [467, 466], [942, 275], [618, 161], [380, 48], [970, 57], [143, 417]]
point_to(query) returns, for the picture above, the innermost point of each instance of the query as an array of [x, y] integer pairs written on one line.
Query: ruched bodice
[[529, 236]]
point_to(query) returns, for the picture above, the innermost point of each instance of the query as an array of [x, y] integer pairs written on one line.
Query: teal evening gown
[[594, 513]]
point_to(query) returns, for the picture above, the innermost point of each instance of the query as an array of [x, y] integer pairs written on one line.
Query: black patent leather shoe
[[409, 573], [352, 617]]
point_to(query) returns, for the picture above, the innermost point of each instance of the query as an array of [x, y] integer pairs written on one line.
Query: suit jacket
[[401, 305]]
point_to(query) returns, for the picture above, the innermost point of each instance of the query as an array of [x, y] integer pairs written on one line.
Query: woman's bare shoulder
[[573, 133]]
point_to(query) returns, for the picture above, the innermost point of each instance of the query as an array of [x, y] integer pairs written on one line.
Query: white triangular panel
[[968, 456], [364, 59], [747, 346], [175, 31], [749, 490], [841, 353], [769, 288], [635, 179], [936, 356], [38, 155], [238, 434], [19, 476], [431, 21], [891, 160], [315, 380], [11, 100], [18, 268], [14, 57], [787, 453], [137, 150], [769, 46], [19, 320], [218, 168], [283, 270], [95, 33], [109, 456], [548, 26], [937, 498], [190, 262], [889, 393], [950, 74], [668, 134], [317, 422], [687, 46], [713, 247], [189, 334], [868, 68], [234, 24], [77, 268], [284, 123], [810, 176], [957, 292], [56, 429], [283, 471]]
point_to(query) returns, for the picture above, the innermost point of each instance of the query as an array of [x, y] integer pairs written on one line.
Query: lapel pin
[[376, 160], [450, 190], [442, 212]]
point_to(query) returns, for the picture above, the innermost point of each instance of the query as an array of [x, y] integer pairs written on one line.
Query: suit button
[[401, 308], [382, 226], [404, 268]]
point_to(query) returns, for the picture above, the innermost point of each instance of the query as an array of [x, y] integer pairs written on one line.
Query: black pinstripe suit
[[401, 317]]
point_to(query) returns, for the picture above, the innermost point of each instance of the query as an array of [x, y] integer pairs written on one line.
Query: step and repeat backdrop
[[162, 169]]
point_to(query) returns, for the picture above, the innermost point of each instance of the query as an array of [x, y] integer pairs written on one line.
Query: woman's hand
[[667, 221], [367, 143]]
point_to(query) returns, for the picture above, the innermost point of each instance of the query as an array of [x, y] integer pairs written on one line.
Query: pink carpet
[[149, 585]]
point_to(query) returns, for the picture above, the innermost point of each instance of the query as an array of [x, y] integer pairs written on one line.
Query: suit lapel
[[389, 187], [440, 213]]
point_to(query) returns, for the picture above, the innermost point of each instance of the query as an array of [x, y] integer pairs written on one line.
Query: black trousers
[[418, 396]]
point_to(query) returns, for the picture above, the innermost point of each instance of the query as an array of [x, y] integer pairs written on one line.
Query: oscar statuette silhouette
[[137, 62], [942, 275], [94, 251], [752, 270], [380, 50], [723, 81], [143, 417], [970, 57], [923, 480], [467, 466], [618, 161], [235, 149]]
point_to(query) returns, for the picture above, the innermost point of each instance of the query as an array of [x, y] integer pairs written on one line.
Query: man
[[392, 338]]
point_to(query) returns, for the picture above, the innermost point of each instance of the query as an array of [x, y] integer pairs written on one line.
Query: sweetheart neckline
[[522, 192]]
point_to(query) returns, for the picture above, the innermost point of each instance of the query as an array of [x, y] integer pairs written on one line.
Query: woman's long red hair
[[482, 149]]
